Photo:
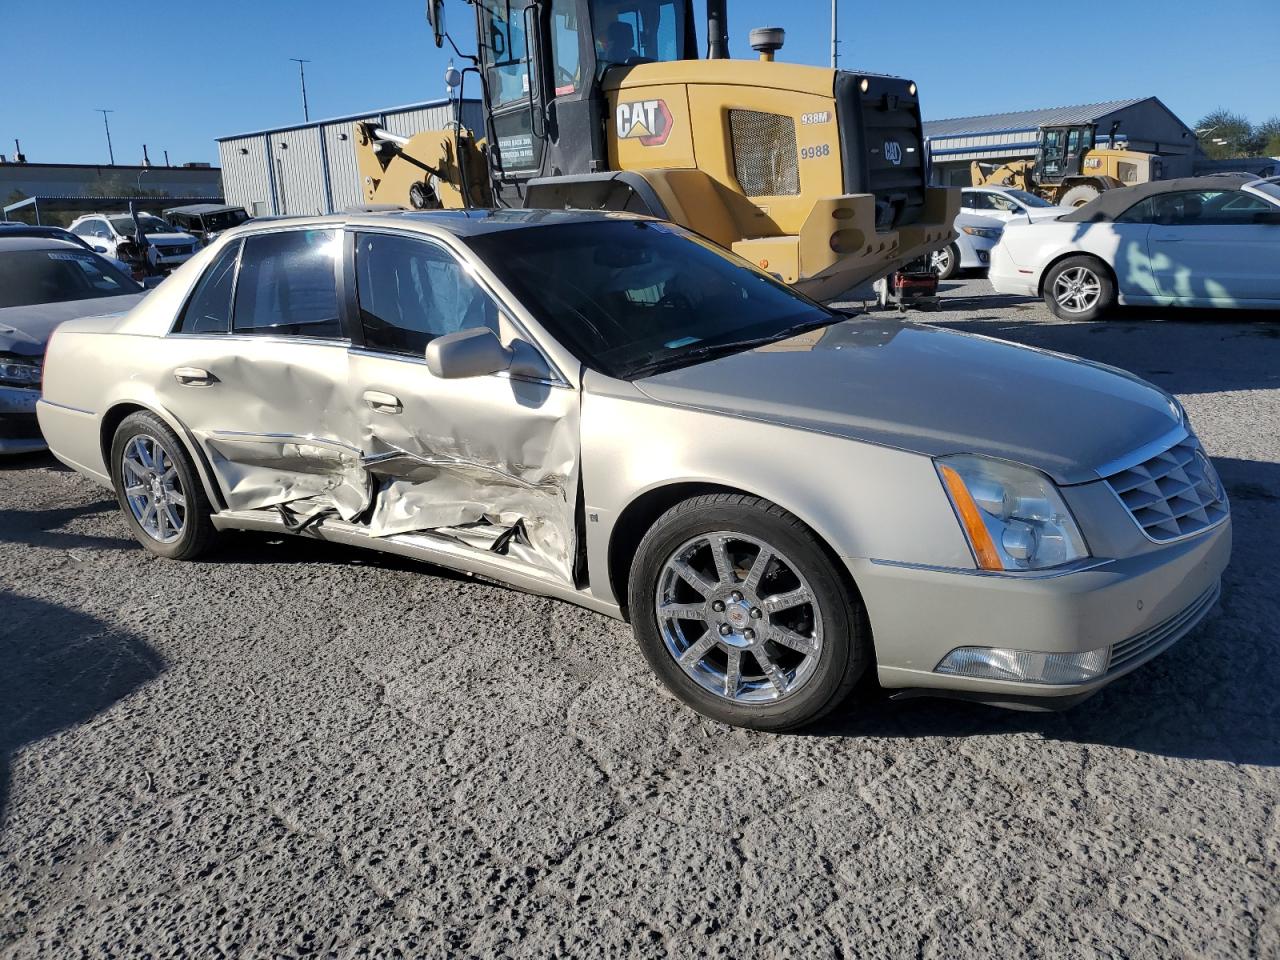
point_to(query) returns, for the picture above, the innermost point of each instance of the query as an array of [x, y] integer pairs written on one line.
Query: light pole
[[835, 51], [302, 74], [110, 153]]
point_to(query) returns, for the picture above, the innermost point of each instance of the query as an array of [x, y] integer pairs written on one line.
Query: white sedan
[[1008, 203], [1195, 242], [971, 249]]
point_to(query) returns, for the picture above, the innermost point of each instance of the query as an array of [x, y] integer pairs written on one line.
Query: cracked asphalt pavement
[[295, 749]]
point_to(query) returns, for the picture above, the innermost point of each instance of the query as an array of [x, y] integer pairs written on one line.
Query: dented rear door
[[491, 461]]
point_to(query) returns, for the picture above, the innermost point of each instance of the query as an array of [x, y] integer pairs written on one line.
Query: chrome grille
[[1174, 494], [765, 160], [1127, 651]]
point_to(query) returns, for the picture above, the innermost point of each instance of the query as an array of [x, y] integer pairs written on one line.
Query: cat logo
[[648, 121], [893, 152]]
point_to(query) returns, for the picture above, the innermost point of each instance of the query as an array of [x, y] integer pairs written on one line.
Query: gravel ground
[[297, 749]]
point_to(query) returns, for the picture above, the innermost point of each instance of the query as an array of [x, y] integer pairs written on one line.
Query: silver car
[[613, 411]]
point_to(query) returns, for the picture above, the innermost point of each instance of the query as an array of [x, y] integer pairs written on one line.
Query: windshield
[[630, 297], [1028, 199], [1270, 187], [29, 277], [223, 220], [636, 31], [124, 225]]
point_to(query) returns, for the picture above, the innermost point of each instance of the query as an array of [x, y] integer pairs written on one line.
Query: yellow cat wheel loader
[[816, 175], [1069, 168]]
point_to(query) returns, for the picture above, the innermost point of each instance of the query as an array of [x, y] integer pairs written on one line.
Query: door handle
[[194, 377], [382, 402]]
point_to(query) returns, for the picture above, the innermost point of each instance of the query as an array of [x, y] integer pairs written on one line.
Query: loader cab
[[543, 64], [1062, 151]]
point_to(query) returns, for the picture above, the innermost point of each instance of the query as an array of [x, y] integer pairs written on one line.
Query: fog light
[[1025, 666]]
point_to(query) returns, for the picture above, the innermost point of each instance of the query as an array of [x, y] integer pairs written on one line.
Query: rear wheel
[[741, 613], [945, 262], [1079, 195], [158, 489], [1079, 288]]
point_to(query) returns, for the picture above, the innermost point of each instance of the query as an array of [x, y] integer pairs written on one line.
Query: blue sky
[[181, 73]]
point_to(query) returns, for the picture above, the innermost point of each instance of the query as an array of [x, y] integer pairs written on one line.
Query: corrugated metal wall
[[312, 169], [245, 179]]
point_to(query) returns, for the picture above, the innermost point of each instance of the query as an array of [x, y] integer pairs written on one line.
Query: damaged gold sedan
[[610, 410]]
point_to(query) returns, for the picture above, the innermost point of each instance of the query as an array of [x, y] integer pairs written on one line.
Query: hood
[[26, 330], [934, 392], [1043, 213], [976, 220], [169, 239]]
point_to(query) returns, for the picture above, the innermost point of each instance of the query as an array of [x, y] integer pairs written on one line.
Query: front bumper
[[19, 432], [1140, 606]]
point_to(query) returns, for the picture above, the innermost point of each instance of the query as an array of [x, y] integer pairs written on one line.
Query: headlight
[[18, 371], [987, 233], [1013, 516]]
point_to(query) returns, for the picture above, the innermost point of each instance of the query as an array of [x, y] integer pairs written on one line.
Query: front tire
[[945, 262], [1079, 195], [1079, 288], [158, 489], [741, 613]]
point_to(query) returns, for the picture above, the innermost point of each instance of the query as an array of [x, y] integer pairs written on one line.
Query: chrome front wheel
[[153, 489], [739, 618], [1077, 289]]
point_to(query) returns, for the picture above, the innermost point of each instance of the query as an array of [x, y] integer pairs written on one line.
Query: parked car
[[611, 410], [10, 229], [114, 234], [1008, 203], [42, 283], [206, 221], [971, 249], [1195, 242]]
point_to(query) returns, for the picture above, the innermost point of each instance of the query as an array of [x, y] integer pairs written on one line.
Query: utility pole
[[110, 153], [302, 73], [835, 44]]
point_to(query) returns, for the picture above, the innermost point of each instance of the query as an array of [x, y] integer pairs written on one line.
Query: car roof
[[9, 244], [461, 223], [1111, 203], [15, 227]]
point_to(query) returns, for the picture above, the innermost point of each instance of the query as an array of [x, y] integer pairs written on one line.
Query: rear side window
[[209, 309], [288, 285], [412, 291]]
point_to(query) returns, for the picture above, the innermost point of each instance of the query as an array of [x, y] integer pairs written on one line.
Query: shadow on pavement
[[61, 668], [1210, 697]]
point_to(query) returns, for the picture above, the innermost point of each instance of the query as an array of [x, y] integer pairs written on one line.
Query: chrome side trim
[[246, 437], [65, 406], [1089, 563]]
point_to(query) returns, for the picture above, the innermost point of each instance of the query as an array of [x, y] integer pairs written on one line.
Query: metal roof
[[1026, 120], [351, 117]]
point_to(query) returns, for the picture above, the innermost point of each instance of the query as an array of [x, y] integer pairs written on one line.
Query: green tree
[[1268, 134], [1224, 135], [119, 185]]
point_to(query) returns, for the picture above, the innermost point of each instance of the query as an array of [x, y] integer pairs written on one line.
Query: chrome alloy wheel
[[1077, 289], [739, 618], [153, 488], [940, 260]]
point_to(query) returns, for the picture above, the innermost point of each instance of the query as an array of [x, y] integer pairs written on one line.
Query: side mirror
[[150, 283], [468, 353], [435, 17], [1270, 217]]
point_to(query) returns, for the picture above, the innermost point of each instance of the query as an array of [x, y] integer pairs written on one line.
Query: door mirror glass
[[435, 17], [468, 353]]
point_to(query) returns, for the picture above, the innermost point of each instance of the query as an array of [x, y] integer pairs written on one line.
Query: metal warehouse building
[[311, 168], [1146, 123]]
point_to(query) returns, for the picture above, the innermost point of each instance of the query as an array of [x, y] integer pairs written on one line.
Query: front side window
[[30, 277], [564, 47], [412, 291], [209, 309], [629, 297], [288, 285]]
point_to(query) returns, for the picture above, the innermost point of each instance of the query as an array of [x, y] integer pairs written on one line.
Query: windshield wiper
[[710, 351]]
